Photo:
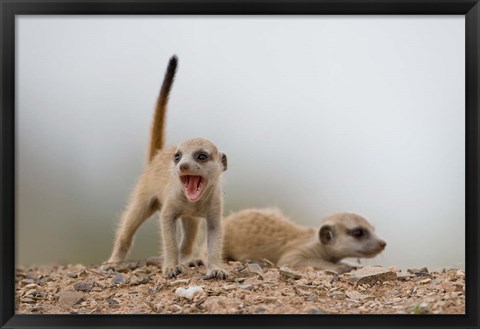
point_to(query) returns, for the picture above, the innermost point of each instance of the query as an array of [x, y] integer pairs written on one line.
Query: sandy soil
[[139, 288]]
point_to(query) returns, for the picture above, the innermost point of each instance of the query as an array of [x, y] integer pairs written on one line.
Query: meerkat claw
[[171, 272], [216, 274]]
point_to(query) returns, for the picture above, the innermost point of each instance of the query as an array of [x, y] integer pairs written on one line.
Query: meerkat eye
[[357, 232], [202, 157], [177, 156]]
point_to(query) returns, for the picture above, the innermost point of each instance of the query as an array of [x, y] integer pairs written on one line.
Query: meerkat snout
[[184, 167]]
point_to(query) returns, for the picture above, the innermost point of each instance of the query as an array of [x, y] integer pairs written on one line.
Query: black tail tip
[[173, 61]]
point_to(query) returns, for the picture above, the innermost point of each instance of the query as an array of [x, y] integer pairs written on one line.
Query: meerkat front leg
[[190, 230], [168, 224], [215, 246], [290, 259], [138, 210], [328, 266]]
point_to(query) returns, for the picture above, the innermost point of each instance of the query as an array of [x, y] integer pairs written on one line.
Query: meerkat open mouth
[[193, 186]]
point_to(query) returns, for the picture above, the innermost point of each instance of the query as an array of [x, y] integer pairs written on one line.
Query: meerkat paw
[[342, 268], [217, 273], [105, 266], [172, 271]]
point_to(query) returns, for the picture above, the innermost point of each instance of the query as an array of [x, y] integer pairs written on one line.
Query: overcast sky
[[317, 114]]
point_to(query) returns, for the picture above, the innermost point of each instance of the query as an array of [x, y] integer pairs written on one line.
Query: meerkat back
[[257, 233]]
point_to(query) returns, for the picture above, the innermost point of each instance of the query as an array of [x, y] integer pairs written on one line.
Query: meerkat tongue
[[192, 184], [194, 187]]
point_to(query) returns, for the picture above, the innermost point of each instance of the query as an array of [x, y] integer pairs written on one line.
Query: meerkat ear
[[326, 234], [223, 159]]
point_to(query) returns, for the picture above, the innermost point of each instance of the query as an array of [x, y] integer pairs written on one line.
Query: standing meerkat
[[182, 181], [262, 233]]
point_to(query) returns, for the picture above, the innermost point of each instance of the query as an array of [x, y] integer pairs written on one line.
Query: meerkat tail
[[157, 138]]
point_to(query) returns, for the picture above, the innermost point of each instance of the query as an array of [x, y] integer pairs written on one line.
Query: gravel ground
[[139, 288]]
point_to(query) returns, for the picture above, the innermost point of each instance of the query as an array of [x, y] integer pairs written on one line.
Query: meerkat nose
[[184, 167], [382, 244]]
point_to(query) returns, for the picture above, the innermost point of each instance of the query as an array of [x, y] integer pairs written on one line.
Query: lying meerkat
[[263, 233], [179, 181]]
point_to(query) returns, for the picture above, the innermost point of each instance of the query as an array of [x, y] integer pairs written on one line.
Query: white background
[[317, 114]]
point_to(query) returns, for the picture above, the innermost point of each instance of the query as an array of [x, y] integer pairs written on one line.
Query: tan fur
[[157, 133], [266, 233], [160, 188]]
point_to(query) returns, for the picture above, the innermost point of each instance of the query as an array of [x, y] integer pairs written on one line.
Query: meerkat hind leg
[[138, 210], [190, 227]]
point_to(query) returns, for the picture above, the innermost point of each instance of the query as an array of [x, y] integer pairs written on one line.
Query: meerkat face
[[198, 164], [349, 235]]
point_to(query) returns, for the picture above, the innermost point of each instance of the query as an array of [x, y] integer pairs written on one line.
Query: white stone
[[188, 292]]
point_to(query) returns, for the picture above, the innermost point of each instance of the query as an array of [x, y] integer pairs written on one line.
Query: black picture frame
[[10, 8]]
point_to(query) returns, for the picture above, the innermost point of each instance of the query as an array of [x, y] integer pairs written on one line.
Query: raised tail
[[157, 135]]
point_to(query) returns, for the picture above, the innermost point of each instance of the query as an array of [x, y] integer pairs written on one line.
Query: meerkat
[[181, 181], [267, 233]]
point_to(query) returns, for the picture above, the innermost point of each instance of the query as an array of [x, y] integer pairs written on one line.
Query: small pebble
[[229, 287], [112, 301], [404, 276], [118, 279], [246, 287], [423, 307], [142, 278], [254, 268], [188, 292], [31, 292], [122, 268], [179, 282], [337, 294], [372, 274], [260, 309], [30, 286], [270, 300], [355, 295], [83, 286], [418, 271], [70, 298], [424, 281], [29, 281], [311, 298], [285, 271], [317, 311]]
